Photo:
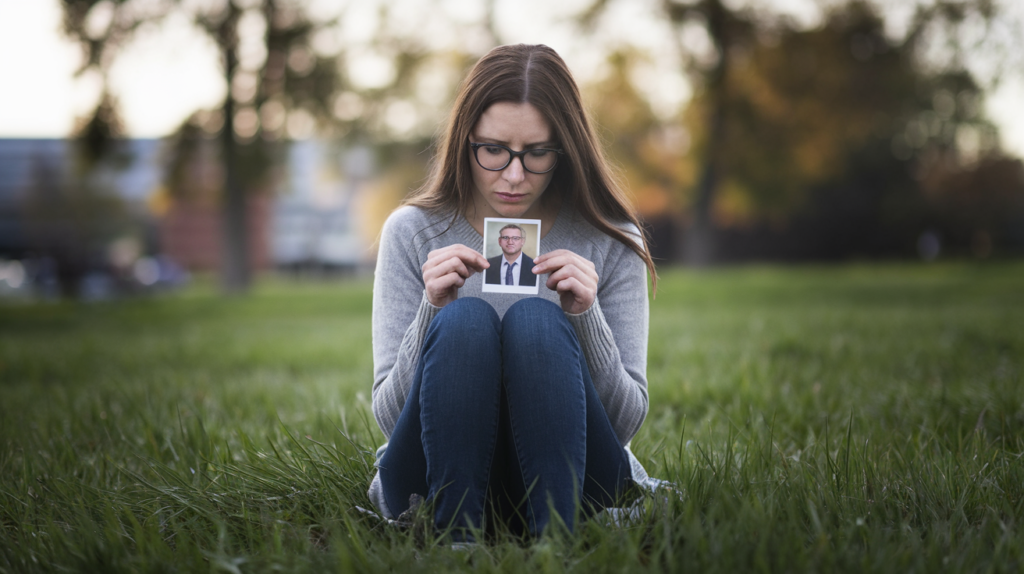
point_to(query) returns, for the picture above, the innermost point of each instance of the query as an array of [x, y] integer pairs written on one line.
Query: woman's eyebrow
[[544, 143]]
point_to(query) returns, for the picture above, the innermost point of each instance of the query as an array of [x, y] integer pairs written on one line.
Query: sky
[[168, 75]]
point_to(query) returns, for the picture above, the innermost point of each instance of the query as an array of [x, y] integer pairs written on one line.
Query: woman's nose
[[514, 171]]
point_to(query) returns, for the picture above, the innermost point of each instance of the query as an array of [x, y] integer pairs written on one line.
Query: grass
[[861, 418]]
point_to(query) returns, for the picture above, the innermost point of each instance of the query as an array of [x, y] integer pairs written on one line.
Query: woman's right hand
[[447, 269]]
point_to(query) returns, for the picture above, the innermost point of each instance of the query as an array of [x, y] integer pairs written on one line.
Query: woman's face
[[512, 192]]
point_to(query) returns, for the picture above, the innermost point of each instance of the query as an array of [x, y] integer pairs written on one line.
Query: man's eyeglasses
[[496, 157], [510, 238]]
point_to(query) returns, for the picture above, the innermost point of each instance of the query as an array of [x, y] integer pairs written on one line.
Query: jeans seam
[[531, 516], [490, 460]]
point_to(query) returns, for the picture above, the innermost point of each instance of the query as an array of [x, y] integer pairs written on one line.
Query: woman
[[496, 403]]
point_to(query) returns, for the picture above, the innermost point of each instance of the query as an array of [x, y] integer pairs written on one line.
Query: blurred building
[[305, 217], [315, 222], [191, 220], [27, 165], [20, 159]]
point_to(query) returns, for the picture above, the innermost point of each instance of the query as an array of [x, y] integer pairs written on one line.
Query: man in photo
[[512, 267]]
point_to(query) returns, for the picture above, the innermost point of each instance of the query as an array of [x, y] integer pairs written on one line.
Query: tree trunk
[[235, 273], [699, 240]]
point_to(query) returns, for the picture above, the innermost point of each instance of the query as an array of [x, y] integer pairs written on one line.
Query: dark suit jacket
[[526, 276]]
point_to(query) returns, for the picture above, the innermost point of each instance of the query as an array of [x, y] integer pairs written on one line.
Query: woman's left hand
[[574, 278]]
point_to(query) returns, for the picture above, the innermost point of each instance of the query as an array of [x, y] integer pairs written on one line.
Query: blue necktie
[[508, 273]]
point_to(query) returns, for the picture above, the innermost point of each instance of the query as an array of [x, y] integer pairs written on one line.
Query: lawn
[[858, 418]]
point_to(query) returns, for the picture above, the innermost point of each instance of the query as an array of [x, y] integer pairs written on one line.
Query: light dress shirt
[[515, 270]]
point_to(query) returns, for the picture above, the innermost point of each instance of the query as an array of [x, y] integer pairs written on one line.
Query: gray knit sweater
[[612, 333]]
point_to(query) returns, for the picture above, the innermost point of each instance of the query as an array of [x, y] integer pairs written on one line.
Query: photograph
[[510, 246]]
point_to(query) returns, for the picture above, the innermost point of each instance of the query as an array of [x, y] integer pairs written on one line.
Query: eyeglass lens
[[496, 157], [511, 238]]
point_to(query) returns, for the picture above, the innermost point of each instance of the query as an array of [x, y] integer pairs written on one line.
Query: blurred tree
[[287, 75], [69, 222], [650, 152], [72, 212], [783, 116], [977, 209], [729, 32], [279, 75], [837, 124]]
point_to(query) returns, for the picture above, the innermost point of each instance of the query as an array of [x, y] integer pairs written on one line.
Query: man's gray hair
[[512, 226]]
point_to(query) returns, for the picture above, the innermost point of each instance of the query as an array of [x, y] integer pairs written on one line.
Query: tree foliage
[[287, 76], [817, 141], [803, 106], [834, 132]]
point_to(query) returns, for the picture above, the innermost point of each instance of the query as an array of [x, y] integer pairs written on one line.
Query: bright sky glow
[[39, 96], [174, 70], [158, 87], [1005, 107]]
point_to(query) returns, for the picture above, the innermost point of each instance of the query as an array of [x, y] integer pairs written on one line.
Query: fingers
[[469, 257], [447, 269], [570, 285], [442, 285], [575, 295], [554, 260], [580, 277], [562, 263], [572, 276], [439, 268]]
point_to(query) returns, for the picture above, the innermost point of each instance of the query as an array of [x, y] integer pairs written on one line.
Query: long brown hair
[[537, 75]]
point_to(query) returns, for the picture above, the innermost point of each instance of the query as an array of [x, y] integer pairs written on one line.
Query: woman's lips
[[510, 197]]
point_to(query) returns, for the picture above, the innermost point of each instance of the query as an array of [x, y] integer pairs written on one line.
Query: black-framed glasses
[[510, 238], [496, 157]]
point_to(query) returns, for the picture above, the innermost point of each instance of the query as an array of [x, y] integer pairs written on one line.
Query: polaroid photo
[[510, 246]]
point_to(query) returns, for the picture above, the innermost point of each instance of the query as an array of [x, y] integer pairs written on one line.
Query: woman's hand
[[574, 278], [447, 269]]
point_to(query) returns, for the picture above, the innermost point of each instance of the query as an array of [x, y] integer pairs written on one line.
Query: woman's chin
[[512, 210], [512, 213]]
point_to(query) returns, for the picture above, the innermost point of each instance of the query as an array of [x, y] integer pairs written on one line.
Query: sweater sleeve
[[613, 336], [398, 300]]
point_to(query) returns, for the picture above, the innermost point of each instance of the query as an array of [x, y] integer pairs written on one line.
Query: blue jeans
[[502, 414]]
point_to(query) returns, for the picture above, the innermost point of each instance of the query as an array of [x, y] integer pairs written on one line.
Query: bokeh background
[[144, 142]]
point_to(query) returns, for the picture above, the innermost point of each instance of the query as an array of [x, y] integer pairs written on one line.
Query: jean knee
[[537, 338], [466, 321], [461, 355], [531, 315], [537, 327], [467, 309]]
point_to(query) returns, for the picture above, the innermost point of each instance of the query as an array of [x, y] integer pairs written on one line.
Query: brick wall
[[191, 233]]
